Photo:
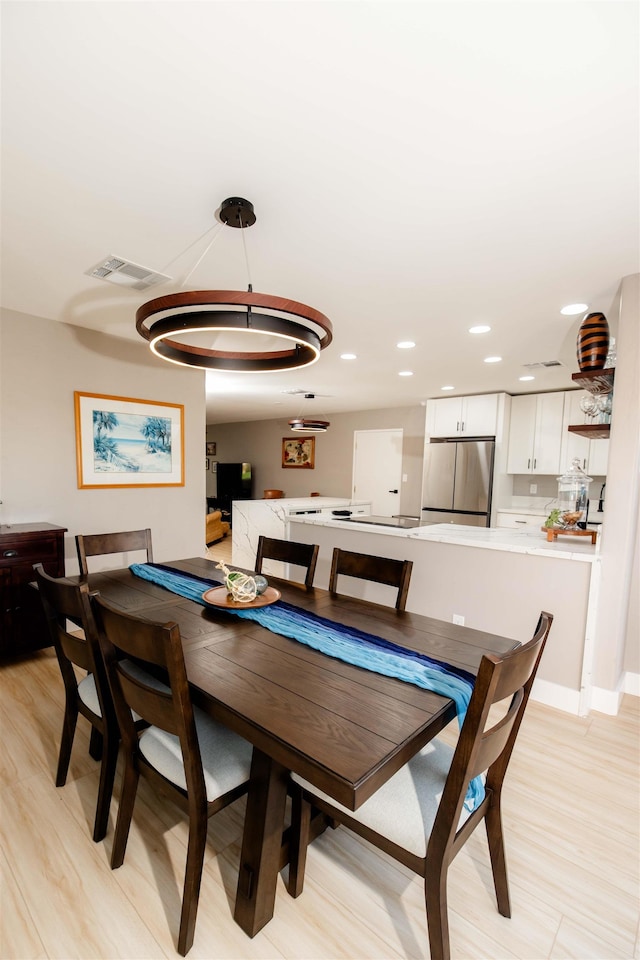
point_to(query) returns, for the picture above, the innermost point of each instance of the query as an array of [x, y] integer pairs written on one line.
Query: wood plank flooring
[[572, 833]]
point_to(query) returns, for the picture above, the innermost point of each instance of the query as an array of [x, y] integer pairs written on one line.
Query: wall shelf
[[593, 431], [597, 382]]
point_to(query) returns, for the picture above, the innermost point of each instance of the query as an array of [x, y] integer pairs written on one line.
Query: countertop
[[487, 538]]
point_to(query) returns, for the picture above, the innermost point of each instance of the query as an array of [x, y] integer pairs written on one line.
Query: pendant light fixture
[[229, 330], [309, 424]]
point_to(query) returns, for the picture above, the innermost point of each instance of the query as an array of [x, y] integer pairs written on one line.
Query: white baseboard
[[554, 695], [606, 701], [603, 701]]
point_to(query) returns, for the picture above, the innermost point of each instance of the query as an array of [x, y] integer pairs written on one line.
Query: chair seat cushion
[[226, 757], [404, 808], [89, 695]]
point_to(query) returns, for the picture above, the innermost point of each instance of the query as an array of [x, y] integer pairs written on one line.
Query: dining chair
[[186, 755], [419, 817], [101, 544], [288, 551], [64, 601], [363, 566]]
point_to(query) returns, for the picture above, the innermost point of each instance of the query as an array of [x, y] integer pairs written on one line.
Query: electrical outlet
[[533, 488], [459, 619]]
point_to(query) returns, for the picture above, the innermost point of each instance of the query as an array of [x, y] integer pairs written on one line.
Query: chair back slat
[[152, 704], [385, 570], [288, 551], [102, 544]]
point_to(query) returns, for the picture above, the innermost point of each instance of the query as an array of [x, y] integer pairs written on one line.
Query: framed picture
[[122, 442], [299, 452], [211, 449], [206, 463]]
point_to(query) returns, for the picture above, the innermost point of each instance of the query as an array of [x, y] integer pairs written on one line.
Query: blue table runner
[[336, 640]]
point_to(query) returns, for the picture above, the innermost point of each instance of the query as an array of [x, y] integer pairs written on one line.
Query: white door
[[377, 469]]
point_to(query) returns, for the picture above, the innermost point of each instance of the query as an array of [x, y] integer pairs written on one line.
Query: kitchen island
[[270, 518], [495, 579]]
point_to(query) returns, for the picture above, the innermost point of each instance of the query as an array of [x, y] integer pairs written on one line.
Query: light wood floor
[[571, 811]]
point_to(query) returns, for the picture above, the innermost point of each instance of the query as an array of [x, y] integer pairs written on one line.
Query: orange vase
[[593, 342]]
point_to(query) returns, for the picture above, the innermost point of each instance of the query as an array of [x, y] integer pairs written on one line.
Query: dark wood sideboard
[[22, 624]]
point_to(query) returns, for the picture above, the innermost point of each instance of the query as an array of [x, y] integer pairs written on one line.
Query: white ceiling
[[415, 168]]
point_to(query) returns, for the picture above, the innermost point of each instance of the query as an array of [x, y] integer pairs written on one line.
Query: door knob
[[393, 491]]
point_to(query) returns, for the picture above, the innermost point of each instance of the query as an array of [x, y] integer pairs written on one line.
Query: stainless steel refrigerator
[[457, 481]]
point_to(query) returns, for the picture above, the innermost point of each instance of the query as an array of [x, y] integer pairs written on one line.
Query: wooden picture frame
[[206, 463], [121, 442], [299, 452], [210, 448]]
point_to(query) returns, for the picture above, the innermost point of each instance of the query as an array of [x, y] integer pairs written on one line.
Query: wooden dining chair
[[419, 816], [289, 551], [184, 754], [76, 643], [101, 544], [363, 566]]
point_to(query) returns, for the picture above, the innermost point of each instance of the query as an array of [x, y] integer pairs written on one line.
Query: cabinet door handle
[[457, 426], [534, 463], [462, 427], [521, 521], [529, 464], [10, 553]]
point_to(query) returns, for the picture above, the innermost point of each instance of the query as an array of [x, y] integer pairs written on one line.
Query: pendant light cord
[[218, 228], [246, 257]]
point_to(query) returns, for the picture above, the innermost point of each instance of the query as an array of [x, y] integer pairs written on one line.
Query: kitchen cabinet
[[22, 623], [535, 433], [592, 454], [463, 416]]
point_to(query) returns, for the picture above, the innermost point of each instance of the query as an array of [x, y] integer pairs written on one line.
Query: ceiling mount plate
[[237, 212]]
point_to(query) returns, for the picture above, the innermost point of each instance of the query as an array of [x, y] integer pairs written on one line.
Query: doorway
[[377, 469]]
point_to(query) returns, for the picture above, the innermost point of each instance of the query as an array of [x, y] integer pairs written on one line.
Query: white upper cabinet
[[535, 433], [463, 416], [592, 454]]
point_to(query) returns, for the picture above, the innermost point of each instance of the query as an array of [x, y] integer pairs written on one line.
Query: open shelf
[[596, 382], [593, 431]]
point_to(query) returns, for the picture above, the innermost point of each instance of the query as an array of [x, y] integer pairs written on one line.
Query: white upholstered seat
[[404, 809]]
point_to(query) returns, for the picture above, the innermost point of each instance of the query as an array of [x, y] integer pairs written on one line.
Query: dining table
[[343, 728]]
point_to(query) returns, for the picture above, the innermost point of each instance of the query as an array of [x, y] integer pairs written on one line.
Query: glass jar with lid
[[573, 496]]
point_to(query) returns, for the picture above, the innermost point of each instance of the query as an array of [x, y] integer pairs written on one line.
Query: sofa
[[216, 527]]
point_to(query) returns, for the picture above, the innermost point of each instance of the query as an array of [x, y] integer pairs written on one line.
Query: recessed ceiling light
[[447, 388], [347, 356], [526, 378], [492, 359], [405, 345], [405, 373], [480, 328], [573, 308]]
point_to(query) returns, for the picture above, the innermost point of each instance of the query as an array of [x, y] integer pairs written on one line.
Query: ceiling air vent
[[543, 363], [125, 273]]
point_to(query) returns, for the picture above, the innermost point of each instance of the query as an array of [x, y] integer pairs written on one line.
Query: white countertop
[[487, 538]]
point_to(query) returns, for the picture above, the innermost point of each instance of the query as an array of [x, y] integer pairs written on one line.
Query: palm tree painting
[[131, 443]]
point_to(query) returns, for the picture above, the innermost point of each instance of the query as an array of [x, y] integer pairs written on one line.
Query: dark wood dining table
[[345, 729]]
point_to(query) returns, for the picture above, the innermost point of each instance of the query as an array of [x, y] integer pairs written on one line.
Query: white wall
[[42, 362], [617, 624]]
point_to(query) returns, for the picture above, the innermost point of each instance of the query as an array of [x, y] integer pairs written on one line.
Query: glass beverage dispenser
[[573, 496]]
